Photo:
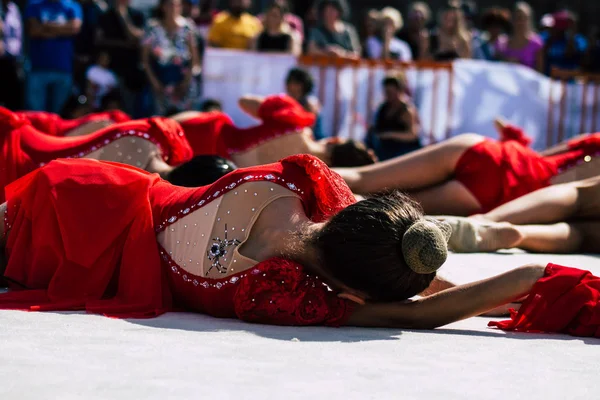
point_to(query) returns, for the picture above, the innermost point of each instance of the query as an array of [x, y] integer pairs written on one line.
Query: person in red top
[[155, 144], [281, 244], [285, 129], [472, 174], [52, 124]]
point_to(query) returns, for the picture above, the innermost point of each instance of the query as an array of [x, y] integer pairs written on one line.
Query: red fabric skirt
[[498, 172]]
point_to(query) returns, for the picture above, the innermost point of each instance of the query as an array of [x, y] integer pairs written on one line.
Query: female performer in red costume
[[54, 125], [285, 130], [278, 244], [471, 174], [156, 145]]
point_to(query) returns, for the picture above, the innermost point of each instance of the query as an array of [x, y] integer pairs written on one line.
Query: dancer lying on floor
[[471, 174], [52, 124], [156, 145], [557, 219], [281, 244], [285, 130]]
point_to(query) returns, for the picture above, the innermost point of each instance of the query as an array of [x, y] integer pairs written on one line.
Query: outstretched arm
[[450, 305]]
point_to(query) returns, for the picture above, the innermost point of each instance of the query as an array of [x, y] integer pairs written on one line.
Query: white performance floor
[[184, 356]]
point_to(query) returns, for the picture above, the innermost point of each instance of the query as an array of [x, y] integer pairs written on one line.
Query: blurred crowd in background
[[73, 57]]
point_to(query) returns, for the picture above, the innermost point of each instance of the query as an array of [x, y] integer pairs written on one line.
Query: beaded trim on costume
[[119, 135], [215, 283]]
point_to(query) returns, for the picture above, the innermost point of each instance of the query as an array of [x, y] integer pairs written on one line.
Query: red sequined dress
[[23, 148], [115, 240], [52, 124], [496, 172], [214, 132]]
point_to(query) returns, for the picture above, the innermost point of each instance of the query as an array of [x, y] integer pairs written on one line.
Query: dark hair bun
[[425, 246]]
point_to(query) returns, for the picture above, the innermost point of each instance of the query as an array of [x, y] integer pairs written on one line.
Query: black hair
[[283, 8], [362, 246], [211, 105], [350, 154], [200, 171], [341, 5], [303, 77], [496, 16]]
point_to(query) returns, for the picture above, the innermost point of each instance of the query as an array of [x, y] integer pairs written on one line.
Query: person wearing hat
[[563, 47]]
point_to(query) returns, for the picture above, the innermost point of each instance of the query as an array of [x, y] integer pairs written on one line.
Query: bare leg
[[450, 198], [552, 204], [561, 238], [418, 170]]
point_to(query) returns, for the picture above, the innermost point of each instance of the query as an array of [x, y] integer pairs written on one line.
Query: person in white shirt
[[100, 80], [388, 46]]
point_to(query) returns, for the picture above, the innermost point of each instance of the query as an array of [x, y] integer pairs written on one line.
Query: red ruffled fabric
[[498, 172], [82, 236], [566, 300], [52, 124], [280, 115], [203, 132], [516, 134], [283, 294]]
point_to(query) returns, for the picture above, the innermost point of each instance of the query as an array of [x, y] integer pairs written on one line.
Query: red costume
[[214, 133], [83, 234], [565, 300], [54, 125], [24, 149], [498, 172]]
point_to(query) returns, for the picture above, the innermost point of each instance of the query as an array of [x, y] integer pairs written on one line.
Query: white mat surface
[[184, 356]]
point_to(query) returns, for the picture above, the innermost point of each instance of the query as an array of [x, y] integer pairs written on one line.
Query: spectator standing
[[208, 11], [293, 21], [299, 85], [234, 28], [564, 48], [119, 33], [397, 126], [524, 45], [387, 46], [369, 30], [415, 33], [52, 26], [85, 41], [496, 24], [100, 80], [276, 35], [333, 36], [452, 39], [170, 59], [11, 44]]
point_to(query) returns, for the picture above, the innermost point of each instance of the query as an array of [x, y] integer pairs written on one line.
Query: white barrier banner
[[230, 74], [481, 91]]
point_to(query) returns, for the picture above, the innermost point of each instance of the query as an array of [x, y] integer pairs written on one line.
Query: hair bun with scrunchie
[[425, 245]]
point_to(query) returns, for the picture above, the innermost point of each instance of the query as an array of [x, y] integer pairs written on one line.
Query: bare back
[[273, 150]]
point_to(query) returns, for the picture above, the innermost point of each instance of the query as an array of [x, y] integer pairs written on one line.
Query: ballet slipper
[[464, 234], [477, 235]]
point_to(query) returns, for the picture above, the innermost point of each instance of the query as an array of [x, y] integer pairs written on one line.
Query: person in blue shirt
[[52, 26], [563, 48]]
